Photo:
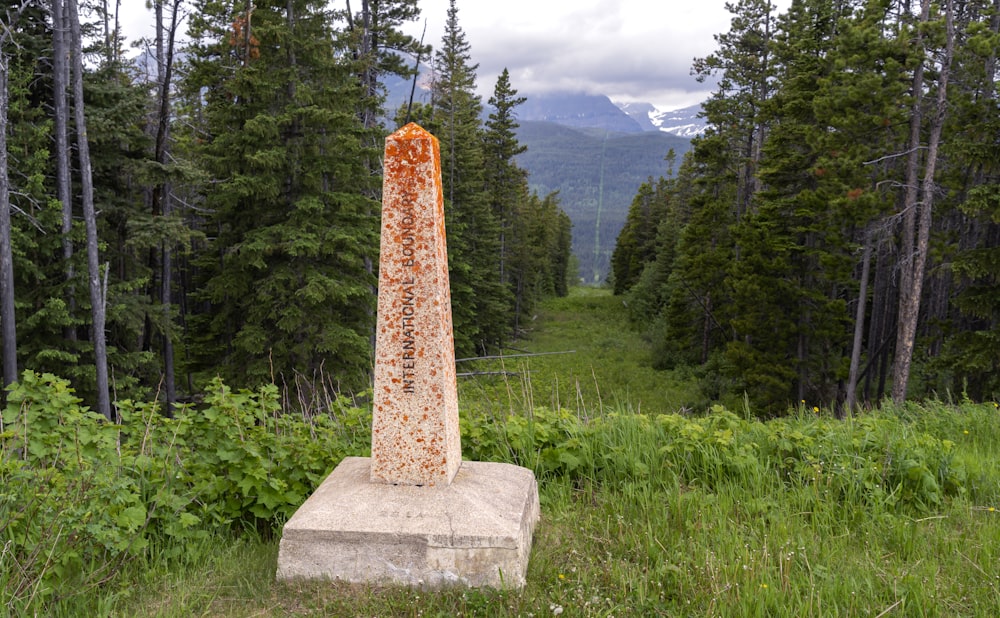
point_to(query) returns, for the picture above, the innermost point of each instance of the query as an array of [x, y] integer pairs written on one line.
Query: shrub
[[80, 495]]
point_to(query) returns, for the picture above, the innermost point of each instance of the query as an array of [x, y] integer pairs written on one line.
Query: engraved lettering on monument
[[408, 284], [415, 435]]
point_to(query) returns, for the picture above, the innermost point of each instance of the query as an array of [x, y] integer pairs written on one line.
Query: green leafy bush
[[80, 495], [551, 442]]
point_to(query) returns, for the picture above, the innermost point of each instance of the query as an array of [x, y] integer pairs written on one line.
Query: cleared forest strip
[[609, 365]]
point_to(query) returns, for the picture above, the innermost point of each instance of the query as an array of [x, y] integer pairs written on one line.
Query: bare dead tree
[[162, 198], [97, 298], [8, 323], [919, 212], [60, 79]]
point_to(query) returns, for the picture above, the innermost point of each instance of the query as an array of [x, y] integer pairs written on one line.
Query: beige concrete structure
[[414, 513], [474, 532]]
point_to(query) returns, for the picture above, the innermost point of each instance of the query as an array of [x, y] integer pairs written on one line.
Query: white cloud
[[637, 50], [630, 50]]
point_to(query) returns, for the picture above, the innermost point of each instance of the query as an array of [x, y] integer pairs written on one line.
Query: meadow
[[649, 507]]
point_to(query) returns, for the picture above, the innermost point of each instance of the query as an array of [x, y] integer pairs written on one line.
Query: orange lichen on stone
[[414, 345]]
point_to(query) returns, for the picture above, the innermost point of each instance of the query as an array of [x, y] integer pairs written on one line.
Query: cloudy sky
[[629, 50]]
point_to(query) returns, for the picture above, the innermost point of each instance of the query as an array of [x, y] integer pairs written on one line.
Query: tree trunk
[[906, 316], [162, 198], [60, 65], [915, 260], [97, 300], [7, 320], [8, 323], [859, 326]]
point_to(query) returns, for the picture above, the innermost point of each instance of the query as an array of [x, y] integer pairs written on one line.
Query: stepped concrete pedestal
[[475, 532], [414, 513]]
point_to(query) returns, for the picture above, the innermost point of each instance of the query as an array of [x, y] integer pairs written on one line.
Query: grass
[[593, 361], [651, 538], [895, 513]]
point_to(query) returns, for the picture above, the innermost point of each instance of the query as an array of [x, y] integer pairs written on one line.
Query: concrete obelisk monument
[[415, 436], [414, 513]]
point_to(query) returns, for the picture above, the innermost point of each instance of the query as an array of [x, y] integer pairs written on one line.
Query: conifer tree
[[921, 192], [480, 301], [8, 335], [722, 182], [636, 246], [744, 66], [790, 208], [380, 49], [794, 272], [40, 281], [506, 183], [970, 355], [286, 288], [507, 191], [97, 286]]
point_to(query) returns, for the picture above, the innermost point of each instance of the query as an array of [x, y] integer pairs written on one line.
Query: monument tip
[[410, 131]]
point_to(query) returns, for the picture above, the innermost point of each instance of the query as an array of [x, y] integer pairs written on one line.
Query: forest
[[835, 236], [206, 203]]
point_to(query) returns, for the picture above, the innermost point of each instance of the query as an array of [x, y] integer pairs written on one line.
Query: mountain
[[590, 111], [578, 110], [641, 113], [597, 174], [681, 122], [596, 154]]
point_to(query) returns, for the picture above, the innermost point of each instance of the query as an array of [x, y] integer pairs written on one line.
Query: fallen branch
[[501, 356], [467, 374]]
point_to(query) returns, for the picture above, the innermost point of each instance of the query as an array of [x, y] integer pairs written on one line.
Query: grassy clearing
[[646, 512], [599, 364]]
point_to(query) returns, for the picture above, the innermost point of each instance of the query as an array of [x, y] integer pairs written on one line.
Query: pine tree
[[744, 66], [480, 301], [637, 246], [790, 283], [505, 181], [40, 285], [506, 187], [286, 288], [380, 49], [719, 183], [8, 321], [969, 361]]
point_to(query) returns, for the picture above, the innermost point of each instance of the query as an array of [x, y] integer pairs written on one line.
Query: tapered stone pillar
[[414, 513], [415, 435]]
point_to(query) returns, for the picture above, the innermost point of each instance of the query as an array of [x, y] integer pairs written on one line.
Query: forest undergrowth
[[649, 507]]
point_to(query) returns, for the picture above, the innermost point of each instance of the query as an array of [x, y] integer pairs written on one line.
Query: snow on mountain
[[681, 122], [640, 112]]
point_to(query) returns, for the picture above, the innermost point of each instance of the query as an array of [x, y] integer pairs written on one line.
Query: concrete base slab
[[475, 532]]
